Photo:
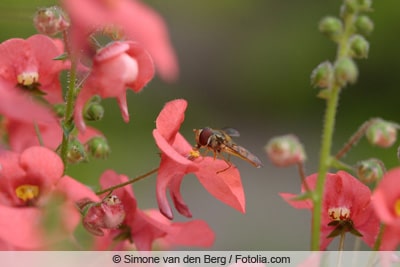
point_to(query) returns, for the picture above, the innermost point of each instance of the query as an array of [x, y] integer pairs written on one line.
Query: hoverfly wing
[[244, 154], [231, 131]]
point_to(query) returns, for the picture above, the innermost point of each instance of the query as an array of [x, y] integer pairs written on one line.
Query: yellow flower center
[[339, 213], [397, 208], [28, 78], [27, 192]]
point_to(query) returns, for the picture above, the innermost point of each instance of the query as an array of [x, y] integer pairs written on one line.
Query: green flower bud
[[51, 20], [285, 150], [331, 27], [76, 152], [364, 5], [359, 46], [346, 71], [364, 25], [59, 109], [94, 112], [98, 147], [371, 170], [382, 133], [322, 75], [353, 6]]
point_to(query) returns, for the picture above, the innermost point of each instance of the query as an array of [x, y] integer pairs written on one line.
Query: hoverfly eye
[[204, 136]]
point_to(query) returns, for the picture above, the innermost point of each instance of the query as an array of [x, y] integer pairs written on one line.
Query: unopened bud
[[51, 20], [346, 71], [285, 150], [371, 170], [76, 152], [94, 112], [364, 25], [98, 147], [359, 46], [107, 214], [382, 133], [59, 109], [353, 6], [364, 5], [331, 27], [322, 75]]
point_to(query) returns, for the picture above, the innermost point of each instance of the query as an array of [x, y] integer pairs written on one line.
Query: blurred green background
[[246, 64]]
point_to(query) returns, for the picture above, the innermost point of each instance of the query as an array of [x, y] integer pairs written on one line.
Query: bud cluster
[[351, 40]]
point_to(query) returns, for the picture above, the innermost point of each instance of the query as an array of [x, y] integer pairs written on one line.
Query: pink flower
[[386, 201], [144, 228], [346, 206], [30, 184], [134, 19], [30, 64], [176, 154], [116, 67]]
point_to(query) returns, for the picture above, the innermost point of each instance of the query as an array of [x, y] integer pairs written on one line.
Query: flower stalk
[[345, 72], [134, 180], [67, 123]]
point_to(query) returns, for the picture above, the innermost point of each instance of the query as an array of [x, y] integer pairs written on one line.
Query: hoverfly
[[219, 141]]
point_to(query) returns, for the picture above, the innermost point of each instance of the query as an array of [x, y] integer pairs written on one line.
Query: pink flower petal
[[146, 66], [390, 238], [179, 203], [16, 105], [75, 190], [170, 118], [297, 204], [22, 227], [226, 186], [168, 171], [42, 163], [171, 152], [191, 233]]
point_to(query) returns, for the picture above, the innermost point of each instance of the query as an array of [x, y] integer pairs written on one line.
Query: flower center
[[397, 208], [340, 213], [28, 78], [27, 192]]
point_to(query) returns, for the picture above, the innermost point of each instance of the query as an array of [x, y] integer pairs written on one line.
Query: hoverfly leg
[[227, 162]]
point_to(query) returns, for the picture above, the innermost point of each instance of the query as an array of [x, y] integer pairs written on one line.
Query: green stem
[[134, 180], [68, 122], [341, 248], [324, 164], [327, 135], [378, 241]]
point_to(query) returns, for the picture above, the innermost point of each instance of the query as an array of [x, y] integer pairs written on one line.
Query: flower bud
[[353, 6], [369, 171], [364, 25], [98, 147], [322, 75], [50, 21], [346, 71], [382, 133], [364, 5], [107, 214], [59, 109], [359, 46], [76, 152], [94, 112], [285, 150], [331, 27]]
